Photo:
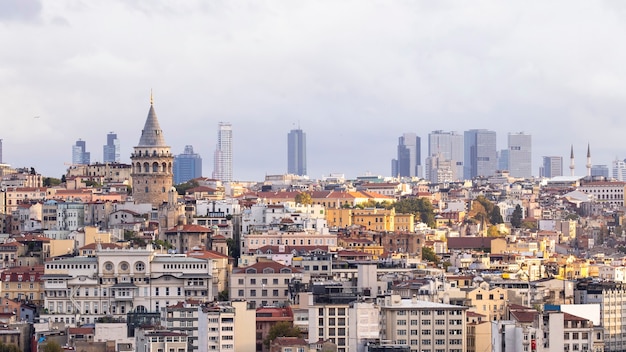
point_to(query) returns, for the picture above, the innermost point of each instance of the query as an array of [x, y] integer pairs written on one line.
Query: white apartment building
[[424, 326], [276, 238], [605, 193], [160, 341], [263, 217], [226, 328], [611, 297], [118, 281]]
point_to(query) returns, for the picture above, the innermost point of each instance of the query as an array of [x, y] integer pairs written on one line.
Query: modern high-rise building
[[408, 162], [480, 153], [187, 166], [520, 155], [619, 169], [80, 155], [503, 159], [223, 158], [448, 147], [0, 150], [296, 152], [600, 171], [111, 150], [152, 164], [552, 166]]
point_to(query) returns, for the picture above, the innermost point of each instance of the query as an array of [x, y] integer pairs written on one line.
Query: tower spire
[[571, 161], [588, 161], [151, 97]]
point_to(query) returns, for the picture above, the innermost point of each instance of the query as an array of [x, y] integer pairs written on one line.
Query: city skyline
[[362, 78]]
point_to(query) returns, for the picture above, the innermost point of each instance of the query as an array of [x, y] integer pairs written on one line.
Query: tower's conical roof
[[152, 135]]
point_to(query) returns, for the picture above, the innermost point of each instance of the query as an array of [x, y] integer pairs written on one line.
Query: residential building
[[611, 297], [296, 152], [152, 164], [80, 155], [223, 158], [266, 318], [520, 155], [552, 166], [610, 194], [265, 283], [184, 238], [111, 150], [161, 340], [480, 157], [187, 166], [408, 161], [422, 325], [226, 327], [23, 284], [182, 317]]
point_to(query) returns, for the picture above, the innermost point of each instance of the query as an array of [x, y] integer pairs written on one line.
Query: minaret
[[571, 162], [588, 161], [152, 163]]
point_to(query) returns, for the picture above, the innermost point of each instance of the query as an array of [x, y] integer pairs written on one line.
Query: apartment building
[[161, 341], [424, 326], [182, 317], [23, 284], [605, 192], [225, 328], [265, 283]]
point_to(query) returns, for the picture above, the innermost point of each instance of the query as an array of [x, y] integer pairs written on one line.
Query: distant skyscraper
[[187, 166], [408, 162], [296, 152], [619, 170], [111, 150], [520, 155], [446, 146], [552, 166], [599, 171], [0, 151], [80, 155], [480, 153], [503, 159], [223, 159]]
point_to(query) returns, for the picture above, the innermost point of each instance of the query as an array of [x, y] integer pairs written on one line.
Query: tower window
[[146, 189]]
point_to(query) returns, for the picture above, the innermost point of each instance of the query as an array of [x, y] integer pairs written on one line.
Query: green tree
[[51, 182], [303, 198], [281, 329], [162, 243], [233, 248], [222, 296], [428, 254], [421, 207], [516, 217], [495, 217], [63, 179], [184, 187], [52, 346]]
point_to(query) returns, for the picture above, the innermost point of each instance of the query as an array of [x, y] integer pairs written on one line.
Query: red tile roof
[[260, 266]]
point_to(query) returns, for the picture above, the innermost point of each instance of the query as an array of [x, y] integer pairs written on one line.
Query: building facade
[[152, 164], [80, 155], [480, 157], [552, 166], [223, 158], [111, 150], [520, 155], [187, 166], [408, 161], [296, 152]]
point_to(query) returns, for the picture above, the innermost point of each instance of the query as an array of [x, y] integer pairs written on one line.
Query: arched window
[[155, 167]]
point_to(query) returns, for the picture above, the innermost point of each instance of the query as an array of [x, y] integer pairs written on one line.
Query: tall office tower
[[296, 152], [152, 164], [111, 150], [619, 169], [187, 166], [503, 159], [80, 155], [480, 153], [450, 146], [520, 155], [599, 171], [552, 166], [0, 150], [409, 155], [223, 158]]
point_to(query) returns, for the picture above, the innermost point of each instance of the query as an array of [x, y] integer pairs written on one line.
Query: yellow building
[[23, 283], [488, 302], [372, 219], [362, 245]]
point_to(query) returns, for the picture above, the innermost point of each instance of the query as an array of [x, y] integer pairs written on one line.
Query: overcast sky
[[354, 75]]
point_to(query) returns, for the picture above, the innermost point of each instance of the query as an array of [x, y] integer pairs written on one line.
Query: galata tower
[[152, 163]]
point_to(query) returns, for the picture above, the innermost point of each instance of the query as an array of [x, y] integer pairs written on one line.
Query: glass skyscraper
[[187, 166], [80, 155], [223, 158], [408, 162], [111, 150], [480, 153], [520, 155], [296, 152]]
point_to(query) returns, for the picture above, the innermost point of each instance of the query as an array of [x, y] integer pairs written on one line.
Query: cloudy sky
[[354, 75]]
